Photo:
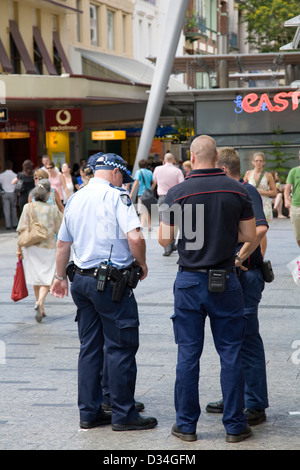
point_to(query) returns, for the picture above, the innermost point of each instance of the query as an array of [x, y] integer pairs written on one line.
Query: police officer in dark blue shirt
[[249, 259], [213, 213]]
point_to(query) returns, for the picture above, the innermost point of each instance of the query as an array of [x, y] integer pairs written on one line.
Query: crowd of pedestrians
[[220, 251]]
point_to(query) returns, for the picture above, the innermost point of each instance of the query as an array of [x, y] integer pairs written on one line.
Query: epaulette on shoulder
[[117, 187]]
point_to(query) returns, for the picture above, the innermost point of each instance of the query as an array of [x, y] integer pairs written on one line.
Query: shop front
[[18, 138], [253, 120], [62, 128]]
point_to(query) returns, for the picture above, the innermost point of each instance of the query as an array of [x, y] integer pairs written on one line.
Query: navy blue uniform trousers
[[193, 303], [253, 354], [115, 323]]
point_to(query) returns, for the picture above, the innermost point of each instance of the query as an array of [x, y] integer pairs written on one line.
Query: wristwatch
[[60, 278], [238, 258]]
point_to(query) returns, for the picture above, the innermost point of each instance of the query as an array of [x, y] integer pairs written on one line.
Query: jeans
[[253, 355], [193, 303]]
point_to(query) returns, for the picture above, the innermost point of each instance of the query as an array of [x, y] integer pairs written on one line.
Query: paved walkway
[[38, 364]]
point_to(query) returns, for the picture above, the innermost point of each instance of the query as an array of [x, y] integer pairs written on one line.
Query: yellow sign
[[108, 135], [14, 135]]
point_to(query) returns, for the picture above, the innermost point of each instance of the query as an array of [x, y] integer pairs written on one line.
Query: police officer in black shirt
[[249, 259], [213, 213]]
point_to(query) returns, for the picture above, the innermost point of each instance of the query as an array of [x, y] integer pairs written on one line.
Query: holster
[[70, 270]]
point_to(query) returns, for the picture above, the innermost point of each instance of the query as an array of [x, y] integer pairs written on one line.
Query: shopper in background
[[9, 197], [71, 181], [57, 181], [40, 258], [26, 176]]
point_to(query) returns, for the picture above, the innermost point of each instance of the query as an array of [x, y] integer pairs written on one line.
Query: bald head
[[169, 158], [204, 152]]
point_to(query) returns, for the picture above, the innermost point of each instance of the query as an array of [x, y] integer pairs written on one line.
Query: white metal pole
[[165, 60]]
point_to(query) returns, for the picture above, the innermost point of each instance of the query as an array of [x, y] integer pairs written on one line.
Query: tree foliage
[[265, 22]]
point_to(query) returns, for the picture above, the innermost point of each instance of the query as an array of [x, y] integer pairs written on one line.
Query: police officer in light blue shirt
[[101, 223]]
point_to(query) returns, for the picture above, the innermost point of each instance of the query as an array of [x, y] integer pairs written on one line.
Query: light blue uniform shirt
[[96, 218]]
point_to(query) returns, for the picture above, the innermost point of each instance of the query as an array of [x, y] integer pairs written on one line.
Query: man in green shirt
[[292, 202]]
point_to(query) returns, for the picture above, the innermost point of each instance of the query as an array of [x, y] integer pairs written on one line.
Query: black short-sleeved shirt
[[256, 258], [208, 207]]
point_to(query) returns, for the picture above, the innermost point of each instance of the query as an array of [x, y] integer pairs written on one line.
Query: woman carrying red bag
[[40, 258]]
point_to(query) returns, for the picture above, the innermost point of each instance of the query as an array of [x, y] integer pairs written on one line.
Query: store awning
[[61, 52], [43, 50], [131, 70], [4, 59], [20, 45]]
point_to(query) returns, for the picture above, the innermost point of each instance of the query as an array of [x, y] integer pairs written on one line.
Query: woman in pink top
[[57, 181]]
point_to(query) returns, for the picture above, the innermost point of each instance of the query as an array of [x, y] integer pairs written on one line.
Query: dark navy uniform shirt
[[208, 207], [256, 258]]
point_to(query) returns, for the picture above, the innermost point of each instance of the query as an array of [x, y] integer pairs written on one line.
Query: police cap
[[92, 161], [109, 161]]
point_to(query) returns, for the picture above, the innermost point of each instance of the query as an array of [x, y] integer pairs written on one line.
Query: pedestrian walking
[[249, 262], [143, 180], [214, 213], [109, 258], [292, 199], [58, 182], [26, 178], [40, 258], [164, 177], [9, 196], [264, 182]]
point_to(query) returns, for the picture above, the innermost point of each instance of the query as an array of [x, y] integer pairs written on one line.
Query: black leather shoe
[[136, 425], [215, 407], [255, 417], [139, 406], [105, 418], [247, 432], [184, 436], [167, 253]]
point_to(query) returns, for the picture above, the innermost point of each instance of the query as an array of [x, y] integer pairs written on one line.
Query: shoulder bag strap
[[259, 179], [143, 177]]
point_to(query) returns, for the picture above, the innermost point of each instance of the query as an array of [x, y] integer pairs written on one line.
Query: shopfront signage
[[252, 103], [108, 135], [14, 135], [63, 120]]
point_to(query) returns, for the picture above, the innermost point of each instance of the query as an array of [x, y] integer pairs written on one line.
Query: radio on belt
[[103, 273]]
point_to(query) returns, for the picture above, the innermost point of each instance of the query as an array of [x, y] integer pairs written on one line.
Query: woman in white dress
[[40, 259], [265, 185]]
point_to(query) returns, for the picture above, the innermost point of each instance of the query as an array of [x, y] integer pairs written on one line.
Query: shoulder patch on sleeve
[[125, 199]]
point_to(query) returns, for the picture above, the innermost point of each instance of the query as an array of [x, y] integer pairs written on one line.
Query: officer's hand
[[144, 272], [238, 264], [59, 288]]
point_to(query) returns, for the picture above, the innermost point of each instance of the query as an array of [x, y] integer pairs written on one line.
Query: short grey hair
[[41, 190]]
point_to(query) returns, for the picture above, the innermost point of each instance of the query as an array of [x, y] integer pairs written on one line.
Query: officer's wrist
[[238, 258], [60, 278]]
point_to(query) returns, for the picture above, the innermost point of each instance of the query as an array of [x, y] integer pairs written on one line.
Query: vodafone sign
[[63, 120]]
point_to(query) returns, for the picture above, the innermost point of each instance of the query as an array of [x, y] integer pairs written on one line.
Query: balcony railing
[[194, 28]]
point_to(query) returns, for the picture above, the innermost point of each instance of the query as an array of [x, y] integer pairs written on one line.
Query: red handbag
[[19, 290]]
